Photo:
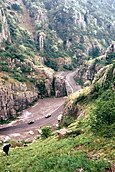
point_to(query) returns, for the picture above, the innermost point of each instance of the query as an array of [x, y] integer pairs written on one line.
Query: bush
[[46, 132], [0, 26], [5, 68], [52, 64], [41, 87], [110, 57], [94, 52], [68, 67], [103, 114], [16, 7], [67, 120]]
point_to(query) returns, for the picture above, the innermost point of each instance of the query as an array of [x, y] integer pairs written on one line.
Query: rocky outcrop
[[110, 49], [77, 26], [64, 33], [31, 81], [14, 97], [87, 72], [4, 29], [59, 86]]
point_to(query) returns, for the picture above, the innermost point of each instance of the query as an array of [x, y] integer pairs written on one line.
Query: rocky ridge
[[59, 29], [88, 71]]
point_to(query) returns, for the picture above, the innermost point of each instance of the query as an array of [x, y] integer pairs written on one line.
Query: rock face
[[87, 72], [59, 29], [78, 24], [59, 86], [15, 96], [21, 88], [4, 28], [111, 48]]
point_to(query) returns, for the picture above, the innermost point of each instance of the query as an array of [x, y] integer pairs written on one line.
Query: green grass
[[85, 152]]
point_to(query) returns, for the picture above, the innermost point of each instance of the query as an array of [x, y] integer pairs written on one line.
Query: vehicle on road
[[30, 122], [59, 117], [48, 115]]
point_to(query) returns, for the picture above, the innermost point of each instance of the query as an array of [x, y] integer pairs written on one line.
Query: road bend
[[21, 130]]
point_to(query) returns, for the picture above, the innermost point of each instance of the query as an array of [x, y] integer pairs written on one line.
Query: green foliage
[[5, 68], [94, 52], [20, 77], [96, 91], [67, 120], [68, 67], [52, 64], [79, 81], [52, 155], [41, 87], [110, 57], [26, 70], [103, 114], [12, 51], [0, 26], [16, 7], [46, 132]]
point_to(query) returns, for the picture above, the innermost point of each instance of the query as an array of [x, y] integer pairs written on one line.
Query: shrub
[[94, 52], [67, 120], [68, 67], [41, 87], [46, 132], [16, 7], [0, 26], [110, 57], [5, 77], [103, 114], [5, 68], [52, 64]]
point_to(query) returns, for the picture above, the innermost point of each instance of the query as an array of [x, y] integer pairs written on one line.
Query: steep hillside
[[58, 34], [89, 69], [84, 146], [60, 30], [97, 99], [82, 153]]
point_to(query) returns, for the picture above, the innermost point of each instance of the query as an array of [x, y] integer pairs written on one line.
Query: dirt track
[[20, 130]]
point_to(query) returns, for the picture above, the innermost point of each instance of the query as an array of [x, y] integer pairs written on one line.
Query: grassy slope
[[85, 151]]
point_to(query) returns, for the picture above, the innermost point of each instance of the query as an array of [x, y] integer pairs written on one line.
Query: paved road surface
[[20, 130]]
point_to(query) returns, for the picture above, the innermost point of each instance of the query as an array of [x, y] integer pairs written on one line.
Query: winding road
[[20, 130]]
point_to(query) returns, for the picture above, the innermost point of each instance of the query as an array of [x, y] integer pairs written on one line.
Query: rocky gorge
[[38, 39]]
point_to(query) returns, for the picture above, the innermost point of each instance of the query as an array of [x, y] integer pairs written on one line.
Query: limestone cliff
[[87, 72], [15, 96], [59, 86], [61, 29], [4, 28]]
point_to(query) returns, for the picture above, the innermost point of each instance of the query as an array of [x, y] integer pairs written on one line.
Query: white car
[[59, 117], [48, 115]]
